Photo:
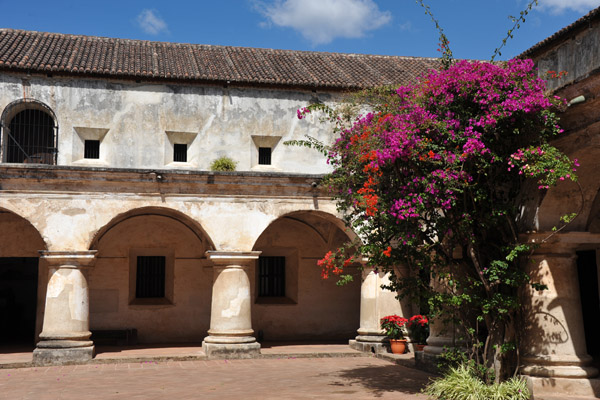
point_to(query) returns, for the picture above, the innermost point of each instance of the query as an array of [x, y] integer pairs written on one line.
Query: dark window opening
[[271, 276], [180, 152], [264, 155], [150, 277], [30, 138], [91, 149]]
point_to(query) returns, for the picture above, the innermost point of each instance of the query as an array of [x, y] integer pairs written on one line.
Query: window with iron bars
[[30, 137], [271, 276], [264, 156], [150, 277], [91, 149], [180, 152]]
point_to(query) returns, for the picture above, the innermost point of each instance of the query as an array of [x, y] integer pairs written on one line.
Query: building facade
[[112, 222]]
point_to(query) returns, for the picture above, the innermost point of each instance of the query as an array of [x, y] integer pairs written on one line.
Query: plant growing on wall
[[432, 179], [223, 164]]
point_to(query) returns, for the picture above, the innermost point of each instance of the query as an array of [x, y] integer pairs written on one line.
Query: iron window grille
[[91, 149], [271, 276], [264, 156], [30, 137], [180, 152], [150, 277]]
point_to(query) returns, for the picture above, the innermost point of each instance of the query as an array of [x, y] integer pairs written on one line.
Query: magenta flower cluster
[[445, 130]]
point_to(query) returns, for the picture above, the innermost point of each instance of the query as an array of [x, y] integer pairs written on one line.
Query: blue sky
[[392, 27]]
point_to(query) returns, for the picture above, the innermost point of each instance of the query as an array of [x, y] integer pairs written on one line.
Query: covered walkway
[[21, 357]]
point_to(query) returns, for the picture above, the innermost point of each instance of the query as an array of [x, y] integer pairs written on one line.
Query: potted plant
[[393, 325], [418, 328]]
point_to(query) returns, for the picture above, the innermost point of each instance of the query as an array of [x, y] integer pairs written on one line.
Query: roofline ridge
[[215, 46]]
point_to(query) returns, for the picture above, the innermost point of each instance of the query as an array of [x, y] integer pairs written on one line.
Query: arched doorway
[[29, 133], [291, 300], [20, 298], [151, 276]]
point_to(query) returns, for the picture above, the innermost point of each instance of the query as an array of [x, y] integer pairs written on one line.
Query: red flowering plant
[[418, 328], [435, 178], [393, 325]]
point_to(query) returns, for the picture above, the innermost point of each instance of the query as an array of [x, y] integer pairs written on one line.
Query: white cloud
[[151, 22], [322, 21], [407, 26], [559, 6]]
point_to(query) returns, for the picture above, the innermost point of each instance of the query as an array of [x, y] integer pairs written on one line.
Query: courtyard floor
[[276, 377]]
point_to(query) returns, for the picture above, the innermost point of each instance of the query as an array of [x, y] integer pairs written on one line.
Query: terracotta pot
[[420, 347], [398, 346]]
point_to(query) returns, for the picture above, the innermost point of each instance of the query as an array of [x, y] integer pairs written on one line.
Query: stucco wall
[[112, 292], [577, 55], [138, 123], [316, 308]]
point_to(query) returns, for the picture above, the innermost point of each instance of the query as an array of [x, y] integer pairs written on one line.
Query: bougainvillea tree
[[432, 179]]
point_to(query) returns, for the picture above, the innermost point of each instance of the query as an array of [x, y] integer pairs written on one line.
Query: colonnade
[[553, 349]]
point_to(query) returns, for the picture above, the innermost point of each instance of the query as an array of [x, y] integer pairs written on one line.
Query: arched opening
[[291, 300], [29, 133], [21, 285], [151, 277]]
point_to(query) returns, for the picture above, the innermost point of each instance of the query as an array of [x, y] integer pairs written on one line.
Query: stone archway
[[151, 275], [21, 294], [290, 299]]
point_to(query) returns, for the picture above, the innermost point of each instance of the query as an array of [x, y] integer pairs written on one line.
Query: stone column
[[230, 333], [554, 354], [375, 303], [442, 335], [66, 328]]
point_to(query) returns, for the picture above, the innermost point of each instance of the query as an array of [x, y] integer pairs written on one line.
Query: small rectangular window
[[271, 276], [150, 277], [91, 149], [264, 156], [180, 152]]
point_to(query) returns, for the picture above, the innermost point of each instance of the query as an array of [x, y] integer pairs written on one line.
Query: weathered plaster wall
[[112, 293], [68, 222], [314, 308], [137, 123], [578, 56]]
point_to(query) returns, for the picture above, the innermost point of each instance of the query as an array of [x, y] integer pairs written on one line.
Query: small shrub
[[455, 357], [460, 384], [223, 164]]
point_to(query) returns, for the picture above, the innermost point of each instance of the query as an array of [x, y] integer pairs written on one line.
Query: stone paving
[[272, 378]]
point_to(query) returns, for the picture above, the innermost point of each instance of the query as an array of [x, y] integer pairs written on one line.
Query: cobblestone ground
[[283, 378]]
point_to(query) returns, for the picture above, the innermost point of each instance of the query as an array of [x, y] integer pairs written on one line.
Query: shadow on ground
[[382, 379]]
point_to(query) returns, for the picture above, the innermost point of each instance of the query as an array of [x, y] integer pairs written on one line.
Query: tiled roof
[[580, 23], [54, 53]]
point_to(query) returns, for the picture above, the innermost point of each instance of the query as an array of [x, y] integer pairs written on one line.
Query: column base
[[427, 361], [570, 367], [231, 350], [61, 352], [563, 387], [370, 344]]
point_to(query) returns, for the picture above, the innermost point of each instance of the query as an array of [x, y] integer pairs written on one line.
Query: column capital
[[232, 257], [69, 259]]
